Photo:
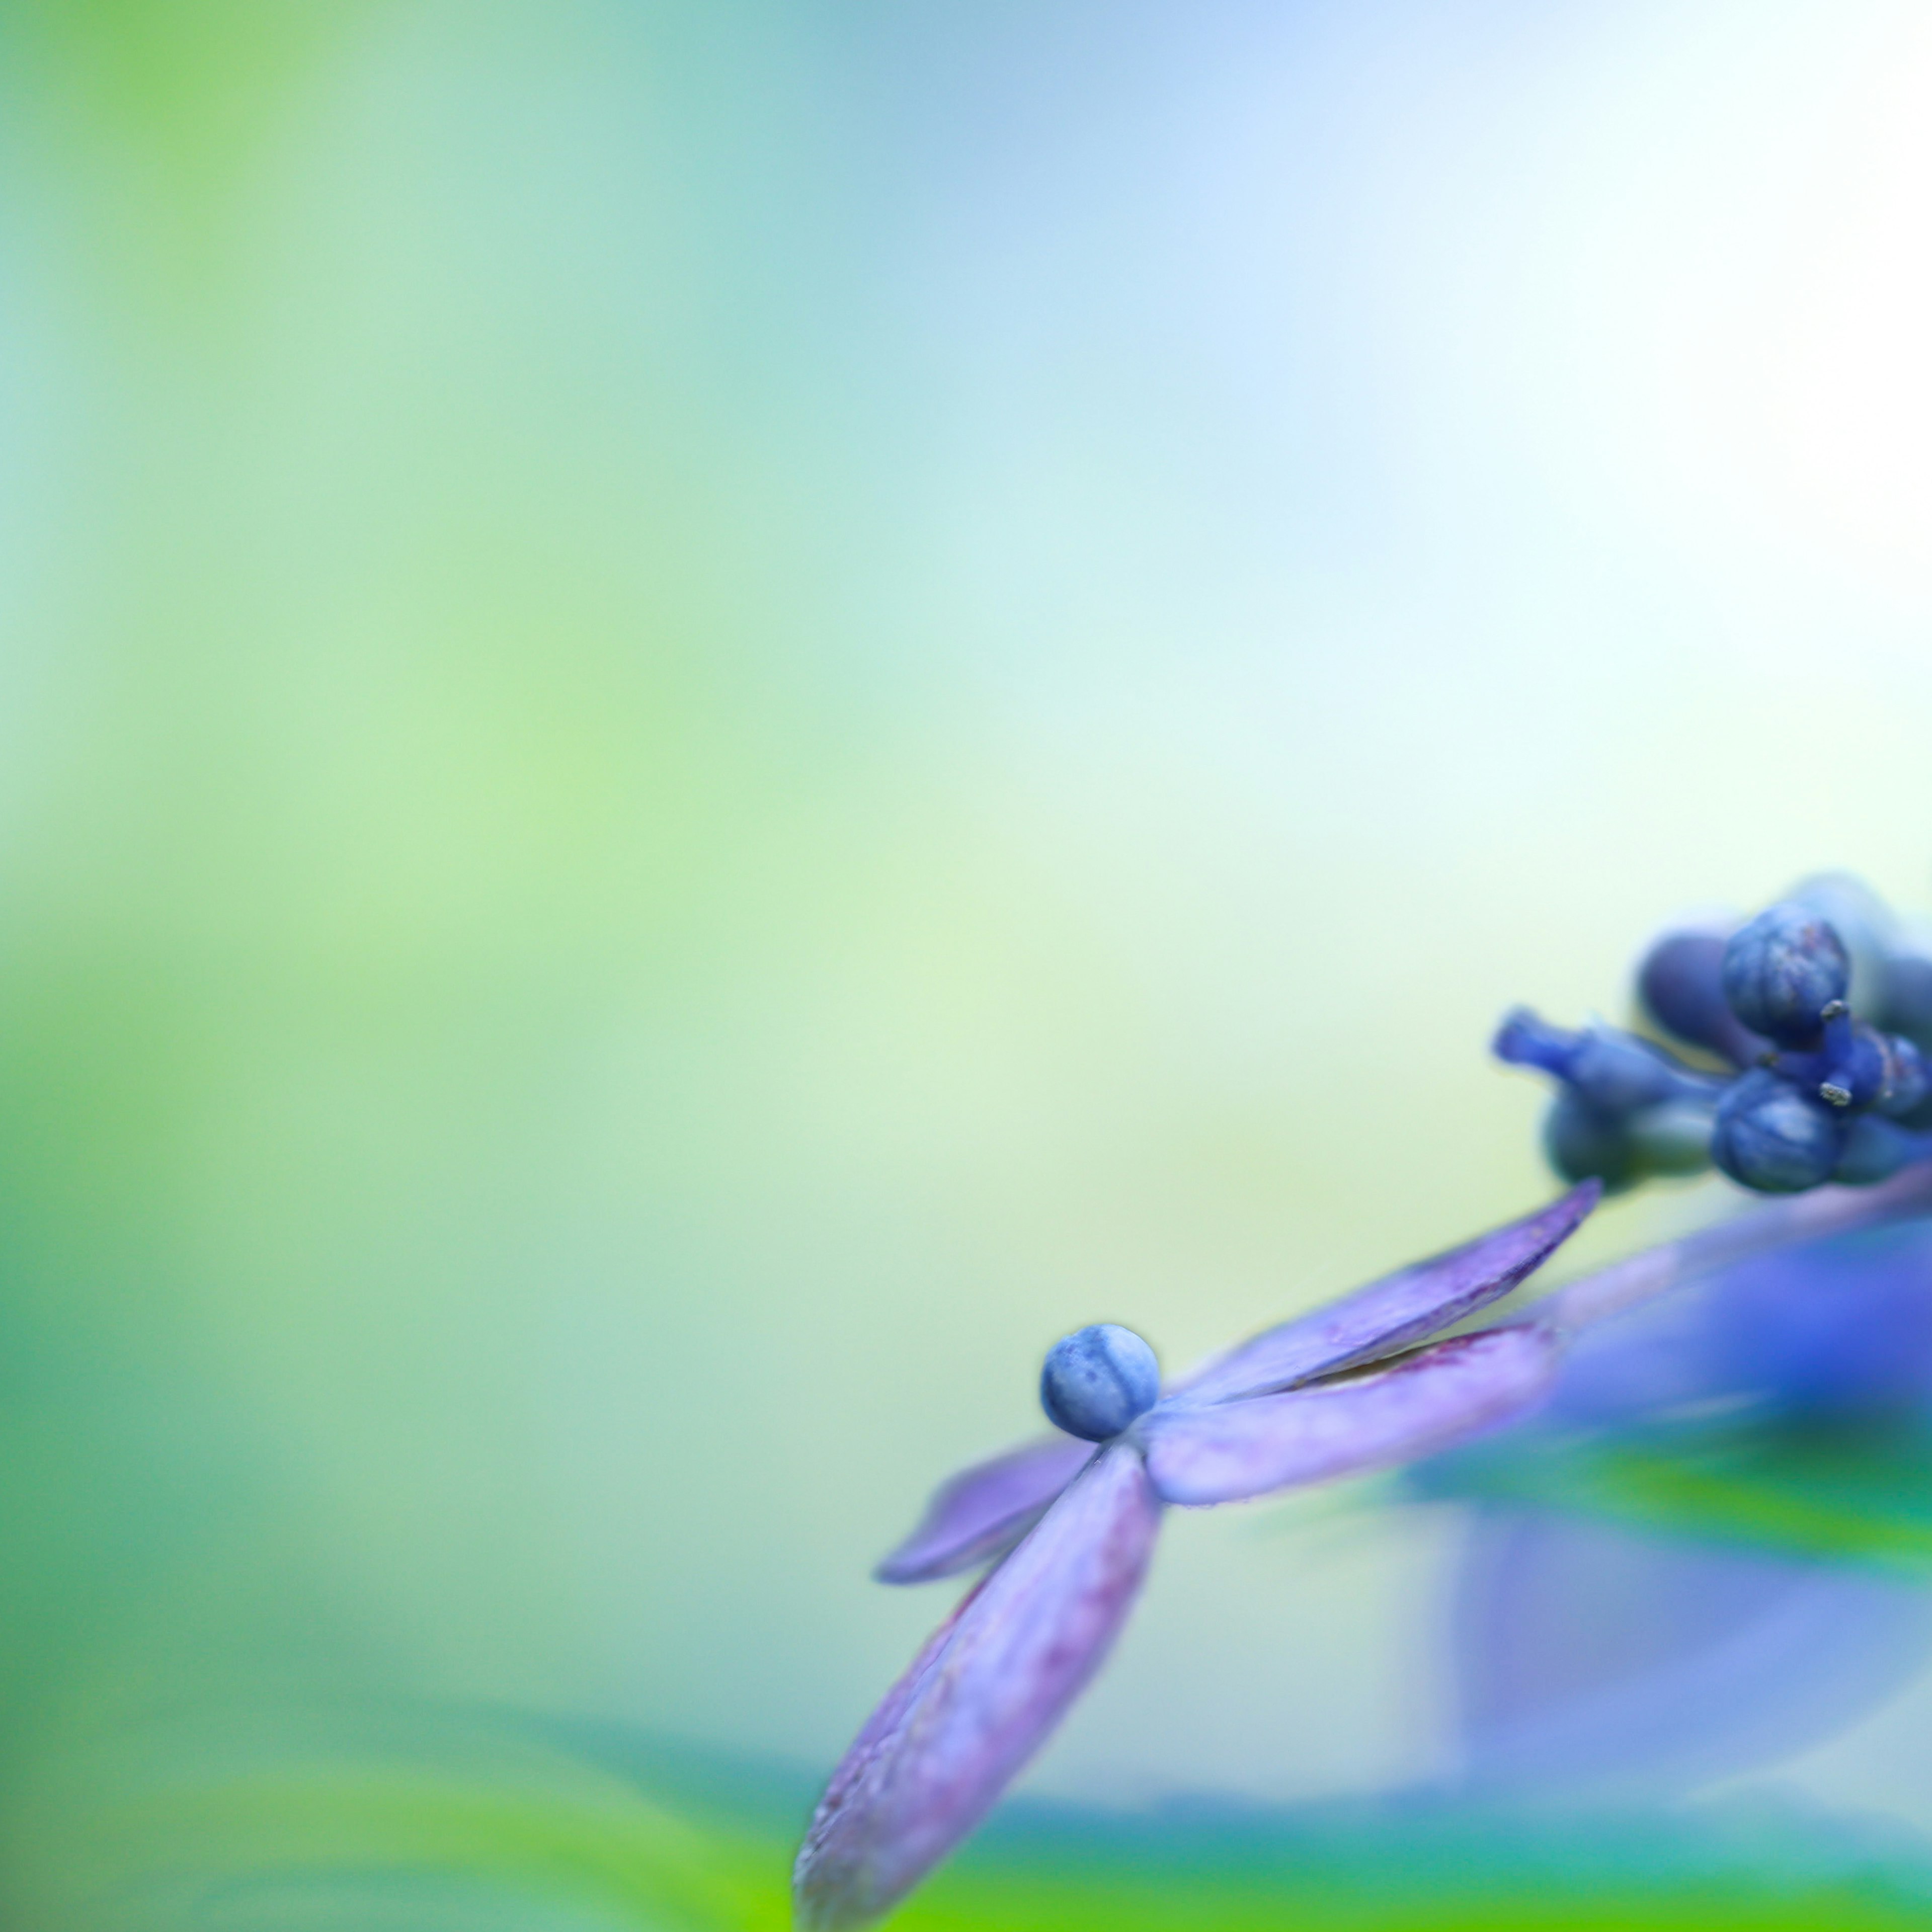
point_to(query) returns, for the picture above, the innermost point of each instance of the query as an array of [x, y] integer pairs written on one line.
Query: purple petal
[[1223, 1452], [983, 1511], [980, 1699], [1400, 1308]]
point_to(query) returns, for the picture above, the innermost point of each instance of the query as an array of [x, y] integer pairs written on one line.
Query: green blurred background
[[711, 714]]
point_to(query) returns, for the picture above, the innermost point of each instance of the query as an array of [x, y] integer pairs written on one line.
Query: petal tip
[[1583, 1197], [990, 1685], [817, 1907], [976, 1516]]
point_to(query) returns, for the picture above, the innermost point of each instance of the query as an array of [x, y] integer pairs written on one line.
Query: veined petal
[[1400, 1308], [983, 1511], [980, 1699], [1224, 1452]]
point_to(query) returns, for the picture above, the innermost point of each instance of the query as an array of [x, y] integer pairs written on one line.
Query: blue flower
[[1804, 1094]]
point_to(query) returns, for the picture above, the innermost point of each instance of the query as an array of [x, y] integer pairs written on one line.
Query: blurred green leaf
[[1860, 1495], [471, 1823]]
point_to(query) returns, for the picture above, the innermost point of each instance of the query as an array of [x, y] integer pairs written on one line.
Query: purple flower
[[1070, 1526], [1812, 1097]]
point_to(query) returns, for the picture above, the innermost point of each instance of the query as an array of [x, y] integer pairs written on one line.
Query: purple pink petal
[[1400, 1308], [1226, 1452], [983, 1511], [980, 1699]]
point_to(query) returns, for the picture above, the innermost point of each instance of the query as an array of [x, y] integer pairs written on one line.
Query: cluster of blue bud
[[1785, 1089]]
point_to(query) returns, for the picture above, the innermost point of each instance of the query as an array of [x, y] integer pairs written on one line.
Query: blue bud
[[1866, 926], [1097, 1380], [1681, 985], [1911, 1082], [1619, 1073], [1782, 971], [1771, 1136], [1672, 1138], [1874, 1150], [1582, 1145], [1905, 1005], [1613, 1072]]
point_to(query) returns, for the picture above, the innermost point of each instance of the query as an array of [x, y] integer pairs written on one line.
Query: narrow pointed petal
[[979, 1699], [983, 1511], [1226, 1452], [1400, 1308]]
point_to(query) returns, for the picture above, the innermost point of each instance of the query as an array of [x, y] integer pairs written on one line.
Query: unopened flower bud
[[1674, 1138], [1582, 1145], [1906, 1005], [1681, 985], [1874, 1150], [1784, 972], [1098, 1380], [1611, 1071], [1866, 928], [1770, 1135], [1911, 1081]]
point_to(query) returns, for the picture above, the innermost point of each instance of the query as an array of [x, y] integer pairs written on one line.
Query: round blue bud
[[1874, 1150], [1905, 1005], [1674, 1138], [1864, 923], [1770, 1136], [1098, 1380], [1783, 970], [1910, 1082], [1583, 1144], [1681, 985]]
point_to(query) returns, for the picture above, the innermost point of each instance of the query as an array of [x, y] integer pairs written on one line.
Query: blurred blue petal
[[1839, 1329], [1589, 1658], [1743, 1435]]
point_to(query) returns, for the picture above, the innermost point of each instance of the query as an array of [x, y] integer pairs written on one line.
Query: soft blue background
[[711, 715]]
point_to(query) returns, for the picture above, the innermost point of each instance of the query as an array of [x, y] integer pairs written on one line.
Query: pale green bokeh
[[714, 715]]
